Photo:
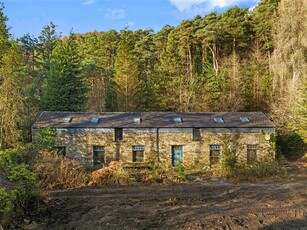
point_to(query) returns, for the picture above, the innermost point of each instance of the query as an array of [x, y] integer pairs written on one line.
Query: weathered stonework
[[197, 139], [158, 144]]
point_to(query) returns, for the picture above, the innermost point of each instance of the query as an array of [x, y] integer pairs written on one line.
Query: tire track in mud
[[192, 206]]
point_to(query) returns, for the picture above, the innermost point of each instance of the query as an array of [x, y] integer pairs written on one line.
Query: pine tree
[[4, 32], [65, 90], [262, 18], [97, 51], [43, 49], [126, 75], [145, 50]]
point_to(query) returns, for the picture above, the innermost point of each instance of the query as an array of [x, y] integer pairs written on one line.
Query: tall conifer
[[126, 80], [65, 90]]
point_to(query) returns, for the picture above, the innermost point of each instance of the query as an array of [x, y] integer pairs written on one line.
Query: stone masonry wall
[[79, 145]]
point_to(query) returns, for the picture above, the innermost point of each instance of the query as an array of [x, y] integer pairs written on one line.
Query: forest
[[237, 60]]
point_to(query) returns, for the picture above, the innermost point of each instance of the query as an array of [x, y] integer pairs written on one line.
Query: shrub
[[22, 174], [228, 162], [156, 172], [5, 202], [57, 172], [21, 196], [292, 146], [256, 172], [10, 158], [238, 172], [110, 175], [180, 171], [44, 138], [26, 199]]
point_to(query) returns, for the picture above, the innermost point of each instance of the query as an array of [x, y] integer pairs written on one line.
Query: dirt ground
[[203, 205]]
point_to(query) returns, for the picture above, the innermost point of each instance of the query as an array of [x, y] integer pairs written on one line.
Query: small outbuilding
[[170, 137]]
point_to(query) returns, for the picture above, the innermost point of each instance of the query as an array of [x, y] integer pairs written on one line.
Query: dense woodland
[[238, 60]]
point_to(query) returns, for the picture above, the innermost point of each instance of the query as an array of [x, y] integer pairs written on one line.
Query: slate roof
[[152, 120]]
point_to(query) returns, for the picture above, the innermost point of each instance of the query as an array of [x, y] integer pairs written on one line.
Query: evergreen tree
[[65, 90], [4, 32], [12, 96], [43, 50], [145, 50], [126, 75], [97, 51], [171, 76], [262, 18]]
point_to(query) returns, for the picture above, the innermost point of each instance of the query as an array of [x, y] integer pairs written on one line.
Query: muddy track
[[190, 206]]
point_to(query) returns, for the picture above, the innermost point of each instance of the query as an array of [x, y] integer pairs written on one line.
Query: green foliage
[[226, 167], [26, 200], [4, 32], [180, 172], [45, 138], [228, 161], [18, 203], [65, 89], [292, 146], [13, 163], [254, 173], [239, 172], [10, 158], [263, 18], [21, 173], [126, 76], [5, 202], [22, 195], [12, 96], [155, 171]]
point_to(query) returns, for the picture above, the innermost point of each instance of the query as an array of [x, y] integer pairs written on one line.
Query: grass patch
[[259, 172]]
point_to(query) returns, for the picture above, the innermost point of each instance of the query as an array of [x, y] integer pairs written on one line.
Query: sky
[[80, 16]]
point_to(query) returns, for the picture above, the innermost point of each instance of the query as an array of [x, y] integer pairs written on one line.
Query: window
[[215, 151], [67, 119], [252, 154], [196, 134], [95, 120], [98, 155], [137, 120], [118, 134], [138, 153], [244, 119], [61, 150], [218, 120], [177, 119]]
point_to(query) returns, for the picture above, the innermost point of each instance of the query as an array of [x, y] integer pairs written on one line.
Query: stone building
[[170, 137]]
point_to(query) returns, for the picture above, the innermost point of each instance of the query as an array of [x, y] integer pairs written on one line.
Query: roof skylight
[[218, 120], [95, 120], [67, 119], [137, 120], [244, 119], [177, 119]]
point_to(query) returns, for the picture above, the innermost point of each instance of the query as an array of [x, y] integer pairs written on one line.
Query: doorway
[[177, 154]]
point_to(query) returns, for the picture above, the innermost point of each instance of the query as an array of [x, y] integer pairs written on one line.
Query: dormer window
[[137, 120], [177, 119], [218, 120], [244, 119], [95, 120], [67, 119]]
